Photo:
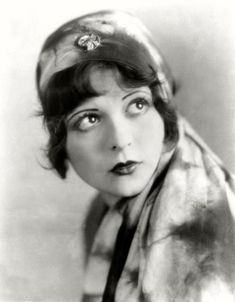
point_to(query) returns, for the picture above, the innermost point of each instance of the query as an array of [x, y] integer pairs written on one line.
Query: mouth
[[126, 168]]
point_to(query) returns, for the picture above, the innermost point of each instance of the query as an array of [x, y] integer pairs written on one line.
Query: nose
[[119, 136]]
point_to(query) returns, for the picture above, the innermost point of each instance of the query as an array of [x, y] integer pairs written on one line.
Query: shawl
[[178, 236]]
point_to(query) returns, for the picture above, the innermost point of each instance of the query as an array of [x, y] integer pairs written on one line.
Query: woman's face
[[114, 140]]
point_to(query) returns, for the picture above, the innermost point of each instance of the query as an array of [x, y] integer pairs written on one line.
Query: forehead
[[109, 81], [104, 80], [109, 87]]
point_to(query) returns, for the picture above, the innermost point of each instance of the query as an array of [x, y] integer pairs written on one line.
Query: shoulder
[[94, 216], [192, 219]]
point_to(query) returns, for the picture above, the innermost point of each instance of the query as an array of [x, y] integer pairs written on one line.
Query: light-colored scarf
[[183, 248]]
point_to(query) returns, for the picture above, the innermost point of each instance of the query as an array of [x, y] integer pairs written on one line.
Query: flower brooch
[[88, 42]]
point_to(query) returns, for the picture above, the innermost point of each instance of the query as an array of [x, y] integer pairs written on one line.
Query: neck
[[110, 199]]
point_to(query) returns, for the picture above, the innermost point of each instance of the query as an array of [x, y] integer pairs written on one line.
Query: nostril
[[114, 147]]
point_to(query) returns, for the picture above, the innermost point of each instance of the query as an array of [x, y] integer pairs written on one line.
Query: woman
[[166, 231]]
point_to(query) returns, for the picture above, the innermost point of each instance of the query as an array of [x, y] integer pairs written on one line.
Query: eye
[[86, 121], [138, 106]]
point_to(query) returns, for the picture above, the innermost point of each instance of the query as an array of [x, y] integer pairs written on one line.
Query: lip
[[125, 168]]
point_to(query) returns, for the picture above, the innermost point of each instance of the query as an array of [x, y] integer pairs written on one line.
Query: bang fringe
[[69, 88]]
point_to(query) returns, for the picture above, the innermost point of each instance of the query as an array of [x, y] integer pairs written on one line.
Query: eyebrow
[[80, 111], [133, 92], [95, 110]]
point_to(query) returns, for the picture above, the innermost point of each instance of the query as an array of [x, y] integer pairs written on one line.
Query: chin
[[128, 190]]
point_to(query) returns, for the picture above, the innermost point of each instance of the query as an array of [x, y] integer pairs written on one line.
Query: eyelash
[[146, 104], [77, 124]]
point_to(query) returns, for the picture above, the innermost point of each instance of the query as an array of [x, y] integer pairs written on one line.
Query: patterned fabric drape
[[179, 234]]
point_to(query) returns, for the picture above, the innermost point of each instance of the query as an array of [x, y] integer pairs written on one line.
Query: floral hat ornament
[[111, 36], [88, 42]]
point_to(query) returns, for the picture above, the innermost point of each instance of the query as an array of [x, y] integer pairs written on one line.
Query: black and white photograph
[[117, 134]]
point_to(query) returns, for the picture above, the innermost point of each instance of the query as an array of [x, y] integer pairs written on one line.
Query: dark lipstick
[[125, 168]]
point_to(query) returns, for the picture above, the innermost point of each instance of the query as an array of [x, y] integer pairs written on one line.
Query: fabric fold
[[183, 247]]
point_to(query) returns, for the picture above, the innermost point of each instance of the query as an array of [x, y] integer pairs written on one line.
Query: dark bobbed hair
[[69, 88]]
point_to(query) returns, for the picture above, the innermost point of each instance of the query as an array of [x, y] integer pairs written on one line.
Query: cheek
[[80, 155], [85, 160], [151, 133]]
